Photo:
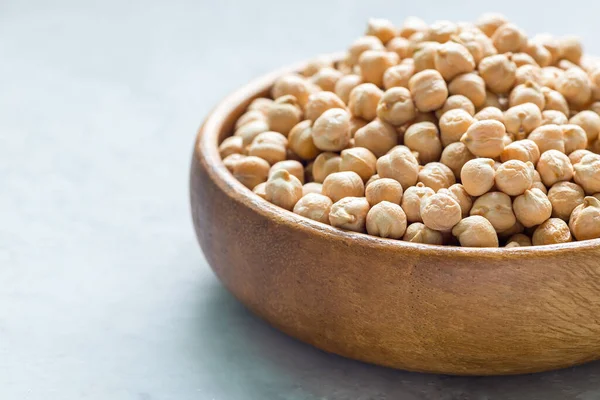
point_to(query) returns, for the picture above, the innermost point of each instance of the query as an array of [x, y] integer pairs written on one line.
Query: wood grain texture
[[423, 308]]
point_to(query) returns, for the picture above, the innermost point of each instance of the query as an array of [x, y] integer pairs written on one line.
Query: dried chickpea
[[396, 106], [553, 117], [475, 231], [424, 138], [564, 197], [518, 240], [398, 75], [538, 184], [284, 114], [377, 136], [587, 173], [320, 102], [441, 31], [513, 230], [453, 124], [523, 150], [294, 85], [589, 121], [314, 206], [412, 199], [418, 233], [551, 44], [554, 166], [552, 231], [524, 59], [250, 130], [270, 146], [342, 184], [548, 137], [462, 197], [452, 59], [312, 187], [301, 142], [477, 176], [261, 190], [528, 92], [372, 179], [496, 207], [252, 115], [513, 177], [539, 53], [251, 171], [554, 101], [361, 45], [381, 28], [412, 25], [585, 219], [400, 46], [231, 160], [363, 101], [326, 78], [386, 220], [470, 85], [488, 113], [331, 131], [260, 104], [293, 167], [550, 76], [231, 145], [578, 155], [356, 124], [522, 119], [498, 72], [283, 189], [359, 160], [399, 165], [509, 38], [316, 64], [455, 102], [574, 137], [349, 213], [473, 42], [383, 189], [494, 100], [324, 165], [455, 156], [424, 56], [575, 85], [344, 86], [440, 211], [485, 138], [571, 49], [532, 208], [436, 176], [373, 63], [428, 89], [490, 22]]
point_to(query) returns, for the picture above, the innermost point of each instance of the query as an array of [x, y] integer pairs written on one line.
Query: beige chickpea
[[553, 167], [523, 150], [553, 117], [252, 115], [462, 197], [587, 173], [440, 211], [453, 124], [314, 206], [474, 43], [498, 72], [528, 92], [383, 189], [373, 64], [412, 199], [251, 171], [496, 207], [415, 40], [284, 114], [412, 25], [539, 53], [428, 89], [509, 38], [359, 160], [294, 85], [455, 102], [575, 85], [524, 59], [441, 31], [518, 240], [550, 76], [418, 233], [485, 138], [261, 190], [372, 179], [301, 142], [522, 119], [250, 130], [452, 59], [342, 184], [363, 101], [455, 156], [231, 160], [552, 231], [564, 197], [356, 124], [572, 49], [513, 177], [574, 138], [261, 105], [548, 137], [553, 100], [398, 75], [381, 28], [424, 56], [315, 65], [399, 165], [324, 165], [344, 86], [312, 187], [270, 146], [490, 22], [396, 106], [424, 138], [349, 213], [331, 131], [320, 102], [475, 231], [470, 85], [477, 176], [377, 136], [589, 121], [361, 45], [400, 46], [488, 113], [578, 155], [283, 189], [436, 176], [584, 219], [292, 166], [231, 145], [551, 44], [386, 220], [326, 78], [532, 208]]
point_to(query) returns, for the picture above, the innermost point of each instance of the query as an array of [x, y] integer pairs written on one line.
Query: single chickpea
[[498, 72], [550, 76], [528, 92], [548, 137], [361, 45], [552, 231], [462, 197], [575, 85], [231, 145], [455, 156], [412, 199], [412, 25], [284, 114], [477, 176], [453, 125], [424, 138], [372, 179], [373, 63], [539, 53], [523, 150], [470, 85], [301, 142], [490, 22], [251, 171], [564, 197], [428, 89], [295, 85], [363, 101], [589, 121], [572, 49], [231, 160], [418, 233], [509, 38], [441, 31], [578, 155], [325, 164], [292, 166], [326, 78], [314, 65], [436, 176], [485, 138], [553, 167], [555, 101], [320, 102], [344, 86], [398, 76], [584, 219], [381, 28], [359, 160], [424, 56], [261, 105], [488, 113], [574, 137], [331, 131], [377, 136], [523, 59], [452, 59], [312, 187], [587, 173], [455, 102], [528, 72], [522, 119], [473, 43], [384, 189], [396, 106], [314, 206], [532, 208], [349, 213], [518, 240], [270, 146], [553, 117], [400, 46], [475, 231], [496, 207], [251, 115], [399, 165], [551, 44], [261, 190], [513, 177], [440, 211], [342, 184], [386, 220], [250, 130]]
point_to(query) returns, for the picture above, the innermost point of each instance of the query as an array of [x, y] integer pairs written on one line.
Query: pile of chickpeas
[[467, 134]]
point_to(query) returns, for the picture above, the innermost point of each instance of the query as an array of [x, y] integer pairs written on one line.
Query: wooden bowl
[[449, 310]]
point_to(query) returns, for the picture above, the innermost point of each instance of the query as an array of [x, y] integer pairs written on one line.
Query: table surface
[[104, 293]]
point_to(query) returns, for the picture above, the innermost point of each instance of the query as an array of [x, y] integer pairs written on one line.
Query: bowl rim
[[206, 152]]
